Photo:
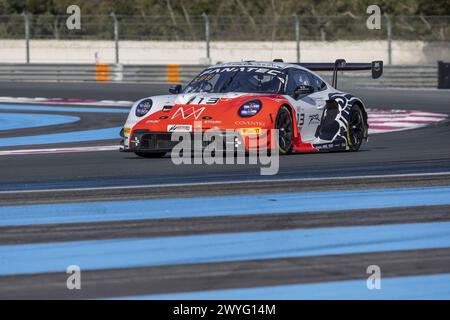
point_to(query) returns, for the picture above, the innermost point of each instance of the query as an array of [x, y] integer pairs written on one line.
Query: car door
[[309, 108]]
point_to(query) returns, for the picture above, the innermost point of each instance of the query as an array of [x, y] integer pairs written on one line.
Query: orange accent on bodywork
[[224, 115]]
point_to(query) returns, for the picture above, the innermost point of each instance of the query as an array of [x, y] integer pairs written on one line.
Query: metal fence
[[225, 28], [394, 76]]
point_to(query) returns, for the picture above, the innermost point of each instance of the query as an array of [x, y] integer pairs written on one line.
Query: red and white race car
[[254, 98]]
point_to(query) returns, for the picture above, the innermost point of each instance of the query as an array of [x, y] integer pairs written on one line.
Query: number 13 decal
[[301, 119]]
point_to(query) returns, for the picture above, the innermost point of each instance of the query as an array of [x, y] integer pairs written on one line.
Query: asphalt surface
[[28, 196], [425, 150], [195, 226], [212, 276], [421, 150]]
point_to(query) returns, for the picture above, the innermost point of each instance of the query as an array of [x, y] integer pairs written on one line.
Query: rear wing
[[341, 65]]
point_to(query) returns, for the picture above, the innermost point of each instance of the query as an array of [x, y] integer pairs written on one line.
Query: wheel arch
[[360, 104], [293, 115]]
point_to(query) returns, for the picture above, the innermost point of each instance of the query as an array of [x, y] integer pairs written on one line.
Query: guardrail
[[400, 76], [394, 76], [172, 73]]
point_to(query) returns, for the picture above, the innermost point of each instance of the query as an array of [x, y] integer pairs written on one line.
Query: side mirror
[[176, 88], [303, 90]]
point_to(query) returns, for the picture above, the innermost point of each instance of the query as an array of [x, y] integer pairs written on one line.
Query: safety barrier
[[394, 76], [172, 73], [399, 76]]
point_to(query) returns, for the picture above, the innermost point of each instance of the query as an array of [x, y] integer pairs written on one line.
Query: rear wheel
[[150, 154], [285, 125], [355, 129]]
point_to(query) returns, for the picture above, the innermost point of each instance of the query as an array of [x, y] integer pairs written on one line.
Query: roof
[[261, 64]]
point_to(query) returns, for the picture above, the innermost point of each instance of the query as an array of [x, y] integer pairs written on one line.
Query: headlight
[[143, 107], [250, 108]]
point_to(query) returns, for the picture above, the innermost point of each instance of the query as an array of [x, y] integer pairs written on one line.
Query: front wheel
[[355, 129], [151, 155], [285, 125]]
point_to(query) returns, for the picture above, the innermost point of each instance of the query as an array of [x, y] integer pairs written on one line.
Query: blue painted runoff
[[12, 121], [63, 137], [127, 253], [222, 205], [423, 287]]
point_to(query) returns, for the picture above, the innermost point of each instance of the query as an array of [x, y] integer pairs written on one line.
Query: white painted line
[[380, 131], [152, 186], [59, 150], [406, 119], [398, 124], [384, 121], [428, 114], [51, 101], [409, 117]]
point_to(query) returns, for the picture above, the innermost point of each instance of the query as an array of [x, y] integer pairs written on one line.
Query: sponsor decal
[[212, 121], [314, 118], [152, 121], [330, 146], [250, 131], [256, 69], [126, 130], [179, 127], [250, 123], [186, 113]]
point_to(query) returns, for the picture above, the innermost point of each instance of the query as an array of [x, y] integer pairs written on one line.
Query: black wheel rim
[[356, 131], [286, 133]]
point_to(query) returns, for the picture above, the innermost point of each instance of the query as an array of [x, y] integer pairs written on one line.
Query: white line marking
[[397, 124], [59, 150], [152, 186], [58, 101], [383, 121]]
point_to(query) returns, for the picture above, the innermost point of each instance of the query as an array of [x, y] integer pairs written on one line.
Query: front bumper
[[147, 141]]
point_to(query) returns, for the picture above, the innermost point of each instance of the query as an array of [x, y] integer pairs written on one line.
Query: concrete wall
[[154, 52]]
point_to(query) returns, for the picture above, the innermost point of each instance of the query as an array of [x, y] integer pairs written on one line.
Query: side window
[[318, 84], [297, 77]]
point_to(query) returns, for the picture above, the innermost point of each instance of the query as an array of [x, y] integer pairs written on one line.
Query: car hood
[[186, 107]]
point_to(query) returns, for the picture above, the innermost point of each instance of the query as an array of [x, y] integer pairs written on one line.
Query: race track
[[147, 228]]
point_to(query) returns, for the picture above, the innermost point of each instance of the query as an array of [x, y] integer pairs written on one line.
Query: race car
[[255, 98]]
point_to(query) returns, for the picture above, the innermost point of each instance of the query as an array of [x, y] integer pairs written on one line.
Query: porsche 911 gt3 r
[[253, 98]]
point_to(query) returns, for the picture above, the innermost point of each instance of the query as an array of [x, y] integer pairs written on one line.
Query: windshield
[[238, 79]]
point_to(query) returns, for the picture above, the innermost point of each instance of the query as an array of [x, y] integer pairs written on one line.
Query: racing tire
[[150, 155], [285, 125], [355, 129]]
